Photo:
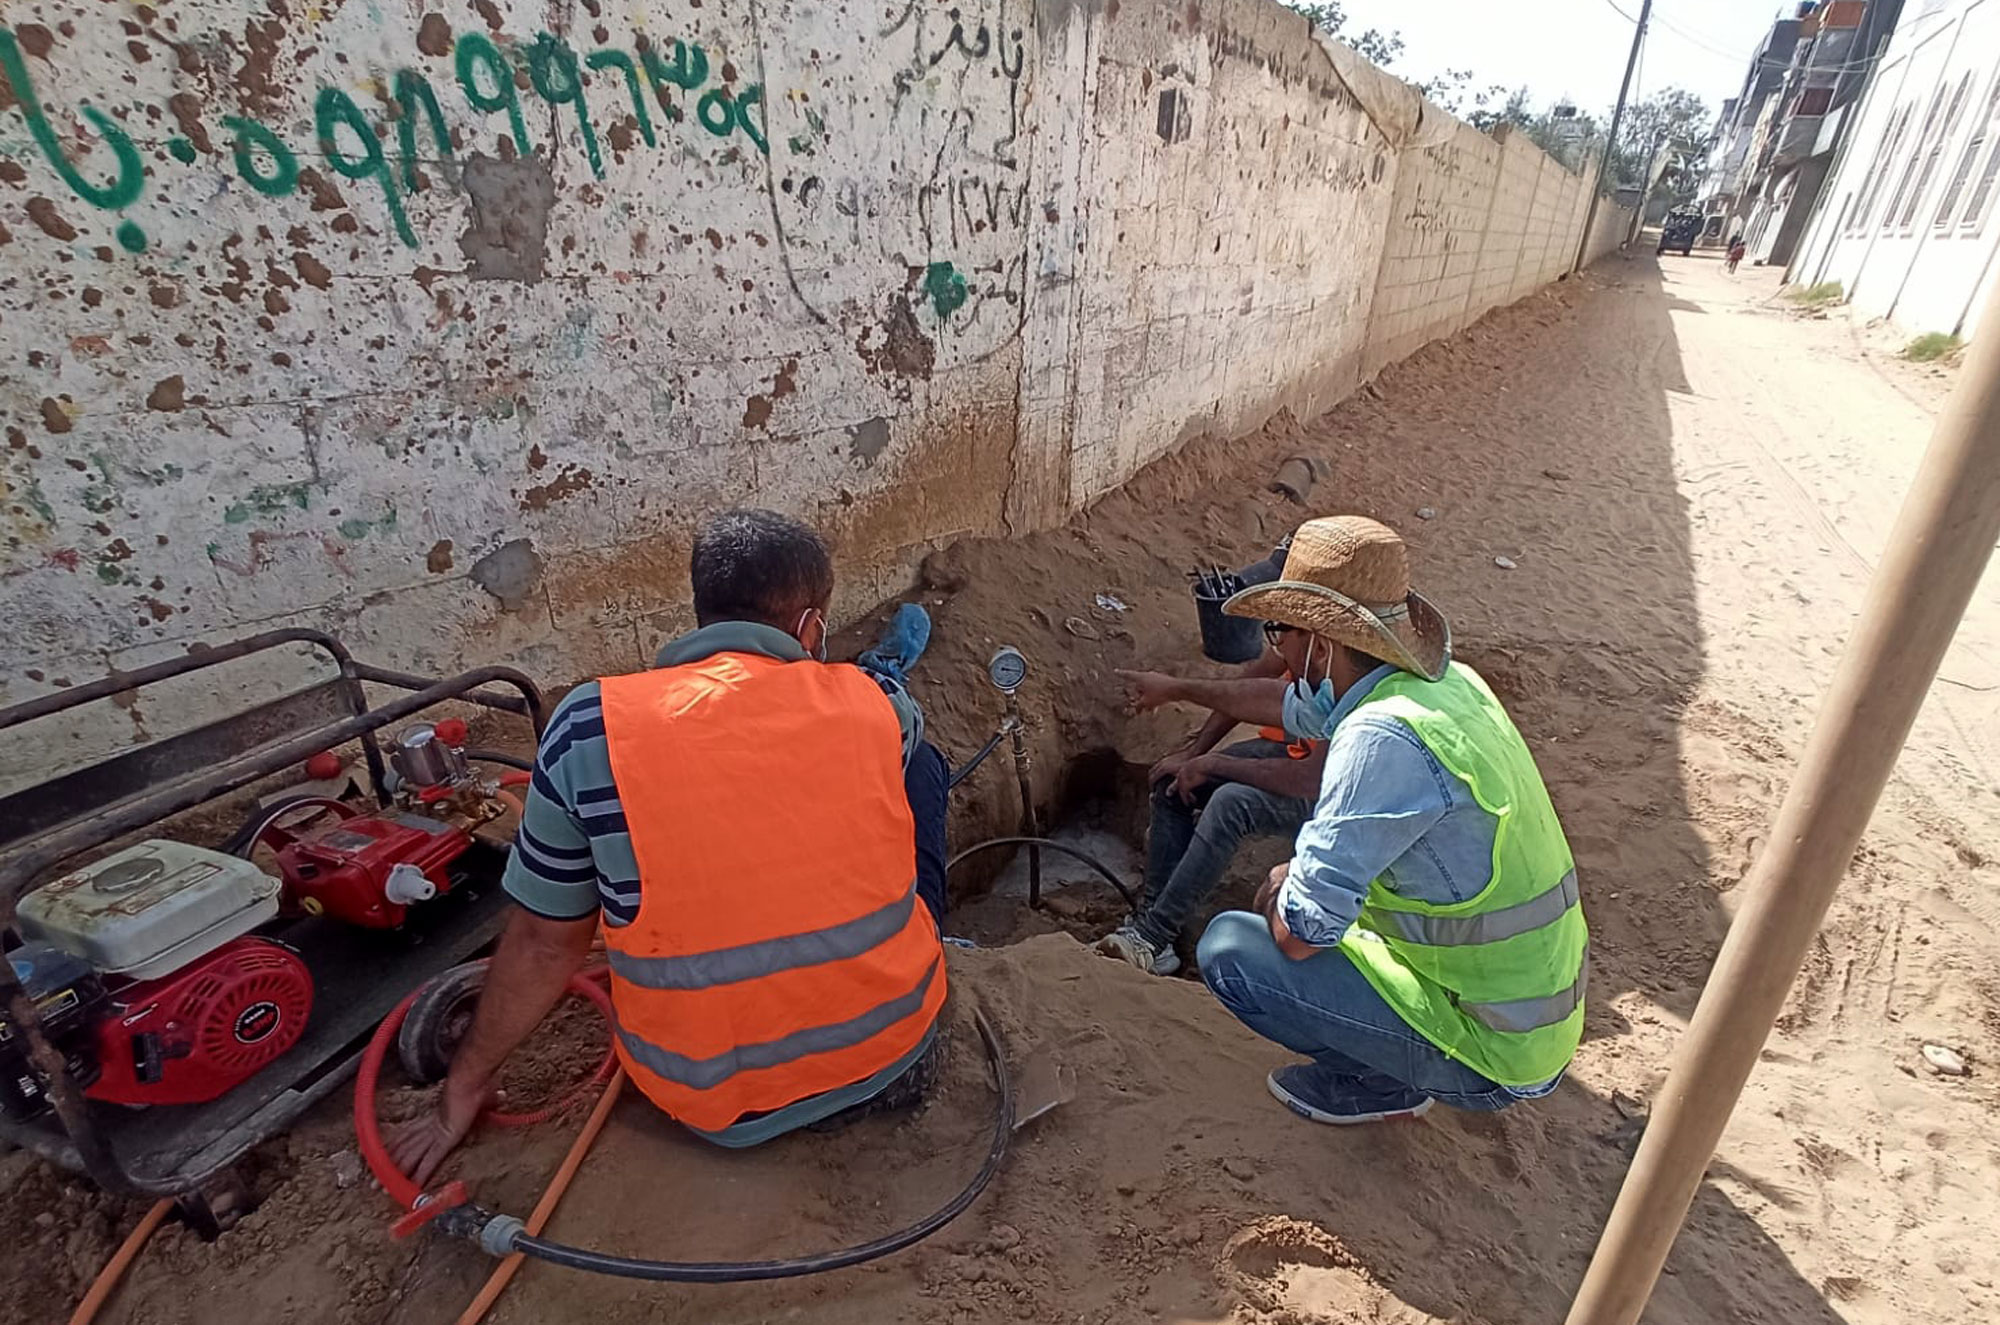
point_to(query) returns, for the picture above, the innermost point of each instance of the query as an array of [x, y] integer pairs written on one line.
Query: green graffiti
[[688, 71], [476, 51], [622, 62], [724, 119], [252, 138], [124, 187], [945, 287], [413, 94], [269, 499], [357, 527], [335, 108], [353, 148], [557, 79], [752, 95]]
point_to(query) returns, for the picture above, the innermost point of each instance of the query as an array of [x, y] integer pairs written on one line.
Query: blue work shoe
[[1321, 1095], [902, 643]]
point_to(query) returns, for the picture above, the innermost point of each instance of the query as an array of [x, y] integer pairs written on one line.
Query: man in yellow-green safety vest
[[1426, 941]]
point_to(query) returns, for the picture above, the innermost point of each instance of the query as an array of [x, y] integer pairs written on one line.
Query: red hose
[[368, 1129]]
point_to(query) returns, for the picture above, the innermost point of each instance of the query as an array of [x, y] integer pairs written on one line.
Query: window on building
[[1814, 101], [1879, 168], [1947, 129], [1976, 143], [1914, 163]]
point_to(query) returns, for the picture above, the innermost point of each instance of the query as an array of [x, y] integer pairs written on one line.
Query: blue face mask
[[1309, 710]]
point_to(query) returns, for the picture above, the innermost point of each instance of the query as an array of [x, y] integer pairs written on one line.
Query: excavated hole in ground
[[1101, 806]]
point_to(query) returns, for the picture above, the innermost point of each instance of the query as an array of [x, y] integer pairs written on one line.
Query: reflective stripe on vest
[[1521, 1015], [779, 950], [1488, 927], [748, 961], [708, 1073]]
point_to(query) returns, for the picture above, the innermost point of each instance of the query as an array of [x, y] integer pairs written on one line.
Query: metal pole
[[1031, 826], [1611, 139], [1942, 539]]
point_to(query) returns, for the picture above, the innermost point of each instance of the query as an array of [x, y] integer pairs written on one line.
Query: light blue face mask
[[1309, 711]]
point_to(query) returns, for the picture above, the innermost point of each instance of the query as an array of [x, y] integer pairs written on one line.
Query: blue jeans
[[1324, 1008], [1189, 847], [924, 781]]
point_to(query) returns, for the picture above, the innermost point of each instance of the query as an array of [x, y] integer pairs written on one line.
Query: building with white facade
[[1906, 221], [1732, 155], [1839, 44]]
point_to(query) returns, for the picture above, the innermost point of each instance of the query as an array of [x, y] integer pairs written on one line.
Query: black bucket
[[1226, 639]]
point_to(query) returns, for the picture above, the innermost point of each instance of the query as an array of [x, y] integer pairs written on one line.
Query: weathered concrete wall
[[439, 325], [1237, 195], [1477, 222]]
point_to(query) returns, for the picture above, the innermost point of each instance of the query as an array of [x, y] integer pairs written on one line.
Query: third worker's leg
[[1188, 850]]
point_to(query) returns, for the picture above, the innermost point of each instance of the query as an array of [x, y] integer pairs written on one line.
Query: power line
[[1689, 37]]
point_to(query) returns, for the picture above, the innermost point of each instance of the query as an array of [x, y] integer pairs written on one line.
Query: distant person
[[1426, 941], [1736, 252], [762, 835], [1208, 802]]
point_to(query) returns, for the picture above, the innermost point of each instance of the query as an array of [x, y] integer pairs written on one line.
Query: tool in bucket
[[1225, 639]]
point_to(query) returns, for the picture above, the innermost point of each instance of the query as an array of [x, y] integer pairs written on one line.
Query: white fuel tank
[[150, 909]]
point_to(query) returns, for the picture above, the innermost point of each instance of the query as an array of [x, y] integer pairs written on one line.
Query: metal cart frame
[[44, 825]]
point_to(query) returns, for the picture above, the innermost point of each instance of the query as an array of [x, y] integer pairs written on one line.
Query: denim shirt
[[1388, 809]]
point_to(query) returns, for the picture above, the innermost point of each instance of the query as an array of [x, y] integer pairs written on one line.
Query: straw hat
[[1348, 578]]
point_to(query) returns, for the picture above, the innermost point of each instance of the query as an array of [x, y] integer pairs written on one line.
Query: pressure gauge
[[1007, 669]]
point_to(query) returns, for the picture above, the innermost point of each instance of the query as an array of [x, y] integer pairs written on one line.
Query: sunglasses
[[1275, 631]]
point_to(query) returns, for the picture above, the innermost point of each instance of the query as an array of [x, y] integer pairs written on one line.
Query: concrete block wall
[[1236, 198], [1434, 258], [440, 324], [1477, 222]]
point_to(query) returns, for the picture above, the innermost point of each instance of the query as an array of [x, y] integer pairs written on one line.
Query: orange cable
[[545, 1207], [121, 1260]]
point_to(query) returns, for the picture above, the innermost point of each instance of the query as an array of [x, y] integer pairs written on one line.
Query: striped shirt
[[573, 853]]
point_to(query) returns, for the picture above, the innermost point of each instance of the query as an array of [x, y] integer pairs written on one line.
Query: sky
[[1575, 48]]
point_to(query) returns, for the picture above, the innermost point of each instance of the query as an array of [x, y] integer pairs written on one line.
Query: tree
[[1516, 109], [1379, 48], [1452, 90], [1675, 119]]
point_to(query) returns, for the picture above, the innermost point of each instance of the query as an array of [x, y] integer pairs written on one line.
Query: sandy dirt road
[[1692, 483]]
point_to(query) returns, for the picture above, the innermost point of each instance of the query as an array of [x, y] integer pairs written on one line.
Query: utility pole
[[1940, 545], [1611, 140]]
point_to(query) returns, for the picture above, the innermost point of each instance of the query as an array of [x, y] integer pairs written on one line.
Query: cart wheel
[[437, 1021]]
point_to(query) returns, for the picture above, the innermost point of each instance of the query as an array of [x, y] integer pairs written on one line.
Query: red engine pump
[[369, 870], [188, 1037]]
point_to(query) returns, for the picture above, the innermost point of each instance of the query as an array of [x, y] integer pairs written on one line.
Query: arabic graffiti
[[490, 75]]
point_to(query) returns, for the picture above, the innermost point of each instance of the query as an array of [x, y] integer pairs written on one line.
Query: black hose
[[725, 1272], [1048, 844], [245, 839], [970, 766], [499, 757]]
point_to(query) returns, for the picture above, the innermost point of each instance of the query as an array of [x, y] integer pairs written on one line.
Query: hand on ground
[[1148, 690], [420, 1145]]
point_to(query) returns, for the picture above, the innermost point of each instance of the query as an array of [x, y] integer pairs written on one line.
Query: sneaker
[[1321, 1096], [1128, 943], [903, 642]]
